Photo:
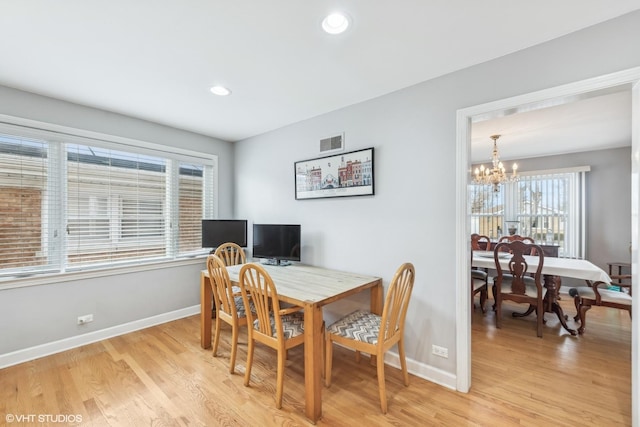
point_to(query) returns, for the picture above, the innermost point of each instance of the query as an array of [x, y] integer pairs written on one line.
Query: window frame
[[56, 136], [576, 212]]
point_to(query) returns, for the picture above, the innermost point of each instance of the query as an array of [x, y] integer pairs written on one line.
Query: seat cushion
[[241, 309], [607, 295], [529, 283], [478, 274], [360, 326], [478, 284], [292, 325]]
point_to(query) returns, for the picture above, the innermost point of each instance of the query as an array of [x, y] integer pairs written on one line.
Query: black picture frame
[[339, 175]]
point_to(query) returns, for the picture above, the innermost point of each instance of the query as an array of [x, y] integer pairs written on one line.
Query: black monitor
[[279, 242], [218, 231]]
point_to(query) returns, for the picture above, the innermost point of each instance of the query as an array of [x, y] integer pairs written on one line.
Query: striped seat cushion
[[241, 309], [292, 325], [360, 326]]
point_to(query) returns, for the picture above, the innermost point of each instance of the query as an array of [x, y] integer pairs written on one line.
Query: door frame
[[527, 102]]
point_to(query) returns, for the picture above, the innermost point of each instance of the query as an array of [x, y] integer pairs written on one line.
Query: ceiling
[[157, 59]]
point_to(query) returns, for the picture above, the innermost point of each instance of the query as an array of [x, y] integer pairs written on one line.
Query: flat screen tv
[[280, 242], [218, 231]]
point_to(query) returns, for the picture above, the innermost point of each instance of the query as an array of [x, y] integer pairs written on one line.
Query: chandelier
[[497, 174]]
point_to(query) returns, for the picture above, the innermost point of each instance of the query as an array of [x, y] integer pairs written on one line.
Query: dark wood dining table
[[551, 267]]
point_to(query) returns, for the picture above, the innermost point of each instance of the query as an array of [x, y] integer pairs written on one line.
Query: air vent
[[332, 143]]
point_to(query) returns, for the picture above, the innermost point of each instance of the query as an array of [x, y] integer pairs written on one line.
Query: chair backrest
[[231, 254], [256, 281], [518, 265], [518, 238], [480, 242], [396, 303], [221, 286]]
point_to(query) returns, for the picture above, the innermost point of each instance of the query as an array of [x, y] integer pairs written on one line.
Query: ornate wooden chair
[[229, 306], [231, 254], [371, 333], [479, 278], [509, 239], [280, 329], [517, 284], [598, 294]]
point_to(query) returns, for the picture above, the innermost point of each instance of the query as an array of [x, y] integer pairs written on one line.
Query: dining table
[[551, 267], [312, 288]]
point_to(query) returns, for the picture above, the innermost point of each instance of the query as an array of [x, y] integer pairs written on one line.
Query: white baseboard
[[426, 372], [31, 353]]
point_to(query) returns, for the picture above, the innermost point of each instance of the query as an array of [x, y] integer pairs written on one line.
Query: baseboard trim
[[421, 370], [36, 352]]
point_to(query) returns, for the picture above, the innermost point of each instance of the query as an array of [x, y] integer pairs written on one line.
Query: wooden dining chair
[[229, 306], [374, 334], [518, 284], [278, 328], [231, 254], [509, 239], [480, 242], [601, 294], [479, 277]]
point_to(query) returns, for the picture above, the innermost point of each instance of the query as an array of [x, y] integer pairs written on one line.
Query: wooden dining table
[[551, 268], [309, 287]]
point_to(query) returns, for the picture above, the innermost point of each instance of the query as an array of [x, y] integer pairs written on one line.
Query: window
[[69, 202], [547, 206]]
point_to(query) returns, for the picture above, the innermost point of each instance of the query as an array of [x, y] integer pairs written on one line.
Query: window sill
[[46, 279]]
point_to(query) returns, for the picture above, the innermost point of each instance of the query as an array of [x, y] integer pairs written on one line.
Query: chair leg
[[583, 317], [357, 356], [403, 361], [247, 373], [576, 302], [328, 358], [539, 318], [234, 348], [494, 292], [484, 296], [498, 309], [216, 338], [381, 387], [282, 355]]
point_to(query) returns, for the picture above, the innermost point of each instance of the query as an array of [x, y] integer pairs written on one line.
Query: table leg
[[313, 359], [376, 306], [551, 304], [205, 311]]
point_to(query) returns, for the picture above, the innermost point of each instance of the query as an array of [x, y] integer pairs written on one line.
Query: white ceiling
[[594, 122], [156, 59]]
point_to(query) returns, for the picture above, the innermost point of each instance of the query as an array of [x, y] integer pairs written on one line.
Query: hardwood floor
[[160, 376]]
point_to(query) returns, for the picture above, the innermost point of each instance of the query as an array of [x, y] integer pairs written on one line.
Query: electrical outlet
[[440, 351], [85, 319]]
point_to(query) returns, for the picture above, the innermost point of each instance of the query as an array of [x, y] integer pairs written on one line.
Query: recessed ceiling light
[[335, 23], [220, 91]]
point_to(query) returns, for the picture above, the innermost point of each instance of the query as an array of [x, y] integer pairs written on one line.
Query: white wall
[[411, 216], [40, 315]]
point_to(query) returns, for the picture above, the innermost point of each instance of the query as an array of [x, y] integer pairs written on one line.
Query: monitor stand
[[278, 262]]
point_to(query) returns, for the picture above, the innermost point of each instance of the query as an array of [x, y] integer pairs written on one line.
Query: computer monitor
[[218, 231], [279, 242]]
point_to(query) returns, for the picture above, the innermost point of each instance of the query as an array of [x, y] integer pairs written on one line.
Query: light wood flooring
[[160, 376]]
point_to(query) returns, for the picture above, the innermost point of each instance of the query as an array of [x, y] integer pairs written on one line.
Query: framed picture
[[340, 175]]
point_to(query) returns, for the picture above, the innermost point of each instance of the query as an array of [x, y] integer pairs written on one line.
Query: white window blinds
[[546, 205], [69, 202]]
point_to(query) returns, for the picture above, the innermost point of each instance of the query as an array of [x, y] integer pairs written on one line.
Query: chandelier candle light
[[497, 174]]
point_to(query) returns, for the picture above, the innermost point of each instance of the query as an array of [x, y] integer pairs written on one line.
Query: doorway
[[536, 100]]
